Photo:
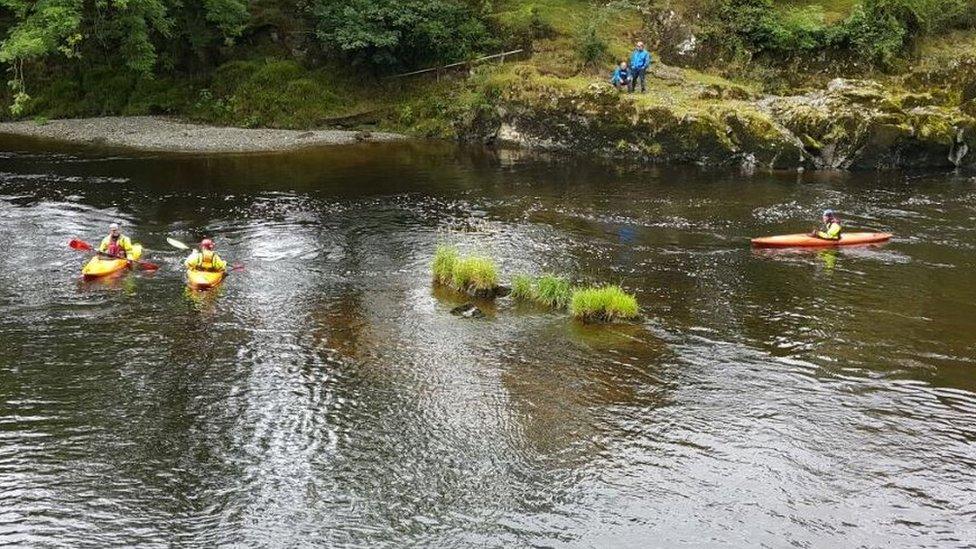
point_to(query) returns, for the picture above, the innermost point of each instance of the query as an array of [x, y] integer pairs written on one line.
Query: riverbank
[[157, 133]]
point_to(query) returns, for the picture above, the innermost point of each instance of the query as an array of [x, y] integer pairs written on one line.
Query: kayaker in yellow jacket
[[830, 228], [206, 259], [116, 244]]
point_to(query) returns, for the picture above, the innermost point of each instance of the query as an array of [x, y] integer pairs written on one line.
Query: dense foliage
[[126, 34], [400, 33], [151, 38], [876, 31], [296, 63]]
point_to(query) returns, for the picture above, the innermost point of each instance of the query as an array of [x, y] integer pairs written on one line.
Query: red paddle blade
[[81, 245], [147, 266]]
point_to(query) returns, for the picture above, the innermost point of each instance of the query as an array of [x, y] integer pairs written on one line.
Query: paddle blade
[[177, 244], [147, 266], [236, 267], [79, 245]]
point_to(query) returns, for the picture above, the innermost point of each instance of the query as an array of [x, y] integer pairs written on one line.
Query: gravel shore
[[153, 133]]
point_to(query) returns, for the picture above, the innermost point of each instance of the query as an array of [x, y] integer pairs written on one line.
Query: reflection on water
[[325, 396]]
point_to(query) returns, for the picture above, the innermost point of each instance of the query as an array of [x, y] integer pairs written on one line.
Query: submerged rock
[[468, 310]]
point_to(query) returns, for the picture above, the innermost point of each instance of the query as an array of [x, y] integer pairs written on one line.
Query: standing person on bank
[[640, 61]]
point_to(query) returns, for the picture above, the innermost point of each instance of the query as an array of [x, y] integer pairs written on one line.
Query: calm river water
[[324, 396]]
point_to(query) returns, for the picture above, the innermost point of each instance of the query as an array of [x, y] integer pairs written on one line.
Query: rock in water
[[468, 310]]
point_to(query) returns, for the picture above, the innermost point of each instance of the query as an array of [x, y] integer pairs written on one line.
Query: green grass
[[522, 287], [466, 274], [475, 274], [603, 304], [553, 291], [549, 290], [445, 259]]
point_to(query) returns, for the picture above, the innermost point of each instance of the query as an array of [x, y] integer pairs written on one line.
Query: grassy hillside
[[280, 72]]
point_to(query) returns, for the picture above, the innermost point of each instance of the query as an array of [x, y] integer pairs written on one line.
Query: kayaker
[[116, 244], [206, 259], [830, 228]]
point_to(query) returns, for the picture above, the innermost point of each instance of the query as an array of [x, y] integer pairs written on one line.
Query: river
[[324, 396]]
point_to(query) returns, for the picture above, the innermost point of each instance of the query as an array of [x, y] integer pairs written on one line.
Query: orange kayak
[[807, 241]]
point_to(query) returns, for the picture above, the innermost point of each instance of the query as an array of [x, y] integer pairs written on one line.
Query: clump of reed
[[549, 290], [445, 259], [523, 287], [474, 275], [603, 304]]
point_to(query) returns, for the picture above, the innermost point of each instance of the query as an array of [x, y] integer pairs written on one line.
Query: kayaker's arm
[[194, 257], [832, 232]]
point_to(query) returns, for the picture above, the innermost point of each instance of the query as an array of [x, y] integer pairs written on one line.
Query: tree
[[404, 33], [116, 32]]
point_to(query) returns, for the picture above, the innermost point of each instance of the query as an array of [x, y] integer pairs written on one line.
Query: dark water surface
[[324, 396]]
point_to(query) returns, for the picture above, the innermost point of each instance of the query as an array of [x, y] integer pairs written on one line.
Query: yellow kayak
[[204, 280], [101, 266]]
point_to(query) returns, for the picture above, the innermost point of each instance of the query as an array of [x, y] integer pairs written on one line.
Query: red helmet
[[207, 244]]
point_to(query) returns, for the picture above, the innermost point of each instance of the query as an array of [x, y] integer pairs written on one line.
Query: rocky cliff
[[922, 120]]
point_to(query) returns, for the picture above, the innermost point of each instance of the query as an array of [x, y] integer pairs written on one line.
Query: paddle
[[82, 246], [181, 246], [177, 244]]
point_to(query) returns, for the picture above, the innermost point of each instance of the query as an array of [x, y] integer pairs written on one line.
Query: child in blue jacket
[[621, 76]]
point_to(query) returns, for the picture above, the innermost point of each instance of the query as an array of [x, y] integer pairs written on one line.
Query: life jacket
[[119, 247], [831, 231], [205, 260]]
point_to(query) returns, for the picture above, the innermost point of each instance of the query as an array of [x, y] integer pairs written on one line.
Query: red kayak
[[807, 241]]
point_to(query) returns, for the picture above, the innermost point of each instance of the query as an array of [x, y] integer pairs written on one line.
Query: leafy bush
[[273, 93], [400, 33], [591, 48], [876, 31], [603, 304]]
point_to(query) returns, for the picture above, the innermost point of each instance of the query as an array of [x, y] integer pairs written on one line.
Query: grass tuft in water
[[522, 287], [475, 274], [603, 304], [553, 291], [445, 261]]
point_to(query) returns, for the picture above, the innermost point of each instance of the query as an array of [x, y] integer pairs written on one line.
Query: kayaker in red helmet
[[116, 244], [830, 228], [206, 259]]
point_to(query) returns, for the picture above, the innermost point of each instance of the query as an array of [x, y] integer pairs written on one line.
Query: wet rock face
[[861, 125], [851, 124], [602, 121]]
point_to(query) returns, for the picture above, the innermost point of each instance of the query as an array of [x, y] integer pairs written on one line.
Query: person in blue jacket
[[640, 61], [621, 76]]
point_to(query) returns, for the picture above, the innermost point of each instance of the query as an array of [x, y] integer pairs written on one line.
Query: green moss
[[603, 304]]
